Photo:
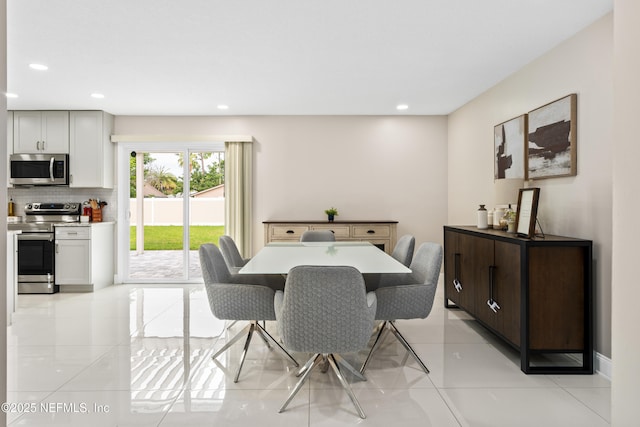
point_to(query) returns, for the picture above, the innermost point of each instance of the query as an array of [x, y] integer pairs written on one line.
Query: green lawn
[[169, 237]]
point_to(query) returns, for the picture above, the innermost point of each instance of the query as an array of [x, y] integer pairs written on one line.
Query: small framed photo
[[527, 212]]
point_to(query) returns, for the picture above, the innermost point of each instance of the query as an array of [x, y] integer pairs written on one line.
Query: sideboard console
[[536, 294], [380, 233]]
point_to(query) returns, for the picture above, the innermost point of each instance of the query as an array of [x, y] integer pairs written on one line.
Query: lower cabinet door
[[506, 290], [73, 262]]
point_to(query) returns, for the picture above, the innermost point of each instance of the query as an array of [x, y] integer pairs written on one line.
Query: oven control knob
[[29, 205], [66, 206]]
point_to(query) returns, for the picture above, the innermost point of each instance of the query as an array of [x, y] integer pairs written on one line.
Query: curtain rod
[[181, 138]]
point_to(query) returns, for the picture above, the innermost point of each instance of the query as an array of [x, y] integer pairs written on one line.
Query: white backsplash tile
[[23, 195]]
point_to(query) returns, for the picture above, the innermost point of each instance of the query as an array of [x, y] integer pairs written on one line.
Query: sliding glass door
[[175, 203]]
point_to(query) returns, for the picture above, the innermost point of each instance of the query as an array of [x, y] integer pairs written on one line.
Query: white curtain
[[238, 167]]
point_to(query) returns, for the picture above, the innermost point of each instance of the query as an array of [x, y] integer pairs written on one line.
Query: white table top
[[279, 258]]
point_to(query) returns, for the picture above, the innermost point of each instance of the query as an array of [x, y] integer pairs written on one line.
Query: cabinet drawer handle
[[290, 232], [371, 232]]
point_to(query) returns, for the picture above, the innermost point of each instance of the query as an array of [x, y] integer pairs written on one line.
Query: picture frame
[[552, 139], [509, 141], [527, 212]]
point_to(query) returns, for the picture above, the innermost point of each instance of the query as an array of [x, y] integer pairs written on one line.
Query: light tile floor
[[140, 355]]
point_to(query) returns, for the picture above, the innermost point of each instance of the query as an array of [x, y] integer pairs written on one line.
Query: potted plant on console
[[331, 213]]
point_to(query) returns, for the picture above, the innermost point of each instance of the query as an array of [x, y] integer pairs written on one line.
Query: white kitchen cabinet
[[12, 274], [41, 132], [91, 152], [84, 256], [9, 144], [73, 261]]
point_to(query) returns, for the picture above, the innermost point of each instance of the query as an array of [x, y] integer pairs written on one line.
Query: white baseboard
[[602, 365]]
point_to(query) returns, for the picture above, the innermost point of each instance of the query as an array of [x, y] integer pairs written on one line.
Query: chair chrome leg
[[267, 337], [231, 324], [317, 358], [374, 346], [350, 368], [261, 335], [307, 365], [232, 341], [252, 327], [334, 364], [406, 345]]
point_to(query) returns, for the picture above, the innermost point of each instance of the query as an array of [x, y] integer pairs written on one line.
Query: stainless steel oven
[[36, 260], [36, 245]]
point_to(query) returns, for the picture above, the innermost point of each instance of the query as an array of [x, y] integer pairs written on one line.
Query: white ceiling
[[260, 57]]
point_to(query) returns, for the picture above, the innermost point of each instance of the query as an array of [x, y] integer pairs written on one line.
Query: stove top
[[44, 209], [41, 217]]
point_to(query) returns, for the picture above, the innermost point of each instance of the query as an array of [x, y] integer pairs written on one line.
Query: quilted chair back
[[229, 300], [413, 299], [318, 236], [325, 310], [230, 252], [403, 251]]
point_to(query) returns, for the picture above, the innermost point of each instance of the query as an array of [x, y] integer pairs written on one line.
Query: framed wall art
[[509, 142], [527, 212], [551, 139]]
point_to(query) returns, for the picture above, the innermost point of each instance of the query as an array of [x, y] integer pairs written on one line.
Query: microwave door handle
[[51, 169]]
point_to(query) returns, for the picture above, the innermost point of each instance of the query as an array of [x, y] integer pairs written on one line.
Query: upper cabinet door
[[41, 132], [91, 154], [9, 144]]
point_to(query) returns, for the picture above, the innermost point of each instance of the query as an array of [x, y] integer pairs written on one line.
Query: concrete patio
[[165, 265]]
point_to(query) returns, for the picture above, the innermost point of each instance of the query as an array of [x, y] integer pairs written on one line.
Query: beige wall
[[576, 206], [369, 167], [626, 205]]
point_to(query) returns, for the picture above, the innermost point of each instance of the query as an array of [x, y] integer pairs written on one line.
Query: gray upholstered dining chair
[[318, 236], [410, 298], [236, 297], [403, 251], [325, 310], [231, 254]]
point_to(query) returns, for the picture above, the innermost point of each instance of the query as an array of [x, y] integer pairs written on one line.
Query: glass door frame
[[124, 209]]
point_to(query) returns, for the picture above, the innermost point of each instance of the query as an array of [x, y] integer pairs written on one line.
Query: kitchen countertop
[[83, 224]]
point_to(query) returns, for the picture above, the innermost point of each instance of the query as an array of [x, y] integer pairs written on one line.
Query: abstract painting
[[509, 143], [551, 141]]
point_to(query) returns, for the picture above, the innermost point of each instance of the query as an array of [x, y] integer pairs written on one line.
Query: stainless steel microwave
[[39, 169]]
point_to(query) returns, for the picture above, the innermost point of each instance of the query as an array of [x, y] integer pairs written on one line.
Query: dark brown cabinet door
[[480, 272], [460, 265], [451, 267], [506, 290]]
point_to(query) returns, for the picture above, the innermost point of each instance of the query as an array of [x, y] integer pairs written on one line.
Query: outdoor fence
[[169, 211]]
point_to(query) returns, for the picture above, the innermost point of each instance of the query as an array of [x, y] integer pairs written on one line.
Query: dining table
[[280, 257]]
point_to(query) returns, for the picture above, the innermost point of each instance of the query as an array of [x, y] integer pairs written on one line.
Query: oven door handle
[[43, 236]]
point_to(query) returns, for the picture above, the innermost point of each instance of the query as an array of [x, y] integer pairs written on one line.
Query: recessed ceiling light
[[97, 95], [402, 107], [223, 107], [11, 95], [38, 67]]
